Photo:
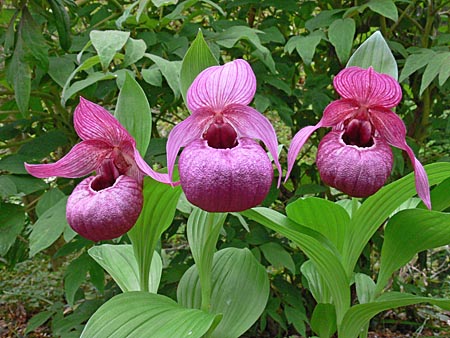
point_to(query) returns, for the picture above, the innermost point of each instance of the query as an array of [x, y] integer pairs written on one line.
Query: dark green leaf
[[38, 320], [12, 221], [386, 8], [277, 256], [48, 200], [33, 40], [341, 33], [170, 70]]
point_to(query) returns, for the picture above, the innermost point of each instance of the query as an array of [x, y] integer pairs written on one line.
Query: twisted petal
[[356, 171], [92, 121], [145, 168], [251, 123], [82, 159], [225, 180], [392, 128], [185, 132], [367, 87], [218, 86], [107, 213]]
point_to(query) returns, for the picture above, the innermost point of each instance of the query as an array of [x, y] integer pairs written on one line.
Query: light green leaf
[[82, 84], [134, 113], [75, 275], [385, 8], [444, 71], [197, 58], [359, 315], [48, 227], [323, 216], [170, 70], [107, 43], [407, 233], [434, 67], [341, 33], [60, 68], [365, 288], [323, 320], [233, 34], [316, 283], [146, 313], [160, 202], [416, 61], [240, 290], [318, 248], [134, 51], [305, 45], [160, 3], [277, 256], [12, 221], [374, 52], [377, 208], [120, 263], [152, 76], [142, 7]]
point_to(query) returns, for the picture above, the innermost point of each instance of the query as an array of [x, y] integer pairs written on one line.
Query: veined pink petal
[[81, 160], [338, 111], [185, 132], [392, 128], [367, 87], [92, 121], [145, 168], [251, 123], [218, 86]]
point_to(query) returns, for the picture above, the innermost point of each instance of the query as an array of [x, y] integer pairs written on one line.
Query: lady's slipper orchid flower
[[107, 205], [355, 156], [222, 169]]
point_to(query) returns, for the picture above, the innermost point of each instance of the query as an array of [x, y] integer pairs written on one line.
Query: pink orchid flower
[[107, 205], [355, 156], [222, 169]]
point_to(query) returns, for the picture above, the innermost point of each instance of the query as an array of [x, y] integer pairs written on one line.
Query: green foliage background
[[54, 51]]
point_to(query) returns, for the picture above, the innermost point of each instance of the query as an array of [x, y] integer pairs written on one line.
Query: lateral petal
[[145, 168], [367, 87], [184, 133], [251, 123], [81, 160], [92, 121], [392, 128], [219, 86]]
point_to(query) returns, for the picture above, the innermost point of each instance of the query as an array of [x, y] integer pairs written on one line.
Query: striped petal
[[219, 86], [184, 133], [393, 130], [82, 159], [92, 121], [251, 123], [367, 87]]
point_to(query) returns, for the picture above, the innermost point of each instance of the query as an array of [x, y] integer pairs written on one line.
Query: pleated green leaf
[[316, 284], [120, 263], [134, 113], [317, 247], [140, 314], [377, 208], [197, 58], [360, 315], [407, 233], [160, 202], [328, 218], [323, 320], [240, 290]]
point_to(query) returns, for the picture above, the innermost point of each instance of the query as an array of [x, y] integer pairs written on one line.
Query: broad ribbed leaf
[[120, 263], [240, 290], [107, 43], [328, 218], [377, 208], [359, 315], [140, 314], [134, 113], [407, 233], [375, 52], [197, 58], [323, 320], [316, 283], [365, 288], [160, 202], [317, 247]]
